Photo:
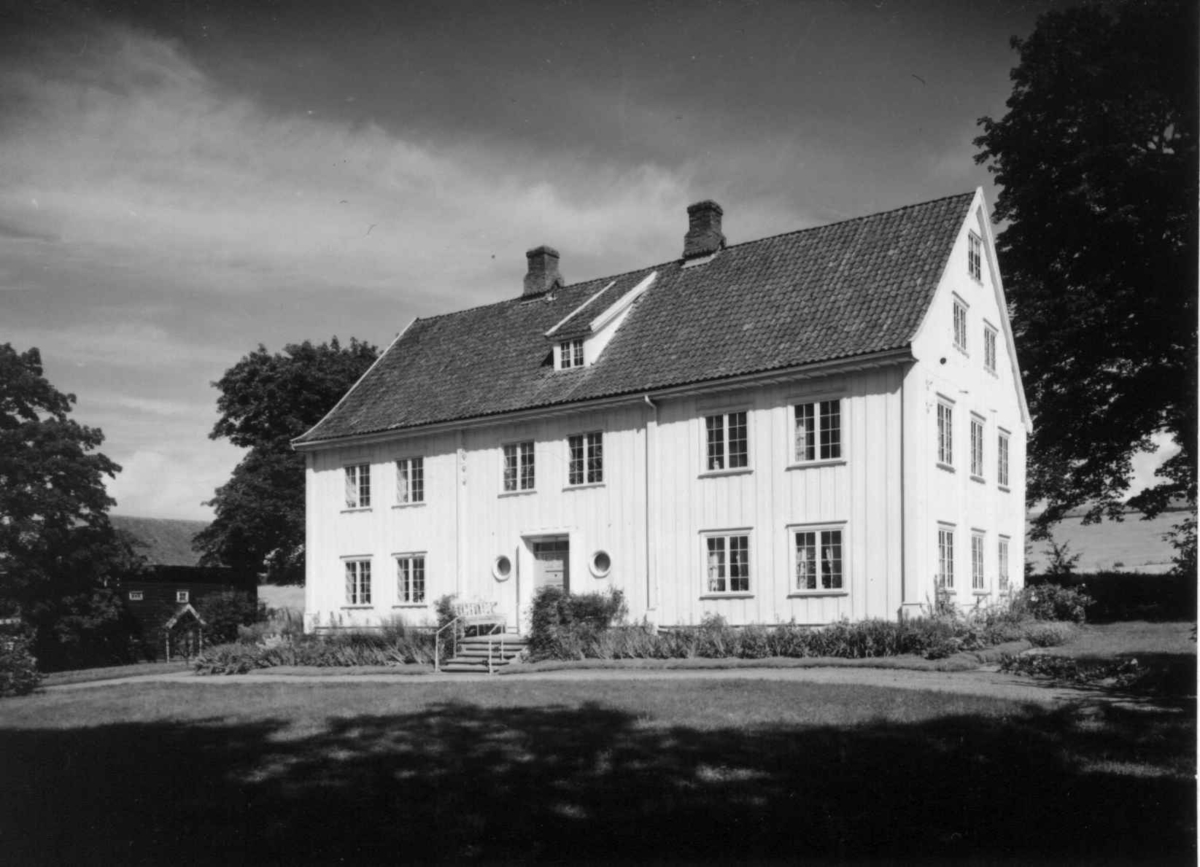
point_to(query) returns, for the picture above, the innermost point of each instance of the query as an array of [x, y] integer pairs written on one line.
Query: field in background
[[1132, 545], [289, 596]]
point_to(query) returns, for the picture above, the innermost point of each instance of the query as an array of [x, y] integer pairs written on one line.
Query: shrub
[[1124, 672], [1053, 602], [19, 673], [225, 612], [562, 623], [85, 630], [1132, 595], [394, 644], [1050, 633]]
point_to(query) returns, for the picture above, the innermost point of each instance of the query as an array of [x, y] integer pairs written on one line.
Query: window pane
[[595, 460], [575, 465], [510, 468], [806, 434], [364, 485], [418, 579], [831, 429], [806, 561], [716, 564], [716, 441], [402, 580], [364, 582], [739, 564], [418, 480], [351, 584], [738, 454], [831, 559], [403, 485], [351, 487], [527, 476]]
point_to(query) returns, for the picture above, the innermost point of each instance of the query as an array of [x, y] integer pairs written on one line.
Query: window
[[410, 579], [727, 448], [1002, 460], [975, 256], [601, 564], [570, 354], [989, 348], [819, 564], [960, 325], [945, 421], [182, 596], [728, 565], [501, 568], [1003, 558], [358, 486], [818, 433], [518, 467], [945, 575], [977, 448], [410, 481], [587, 459], [136, 595], [977, 581], [358, 582]]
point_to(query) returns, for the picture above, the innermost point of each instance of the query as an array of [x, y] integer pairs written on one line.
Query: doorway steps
[[474, 653]]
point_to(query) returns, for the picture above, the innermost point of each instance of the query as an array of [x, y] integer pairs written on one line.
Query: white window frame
[[407, 579], [975, 256], [945, 557], [569, 353], [945, 433], [525, 454], [960, 325], [1002, 549], [591, 450], [989, 347], [182, 597], [413, 471], [357, 592], [724, 457], [137, 595], [978, 562], [843, 587], [725, 537], [358, 486], [826, 449], [1002, 451], [978, 431]]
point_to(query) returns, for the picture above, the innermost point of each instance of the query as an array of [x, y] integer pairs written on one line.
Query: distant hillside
[[1131, 545], [162, 541]]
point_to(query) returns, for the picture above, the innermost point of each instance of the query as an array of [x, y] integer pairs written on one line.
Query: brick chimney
[[542, 275], [703, 236]]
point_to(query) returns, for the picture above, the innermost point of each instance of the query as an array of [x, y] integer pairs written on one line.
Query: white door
[[551, 564]]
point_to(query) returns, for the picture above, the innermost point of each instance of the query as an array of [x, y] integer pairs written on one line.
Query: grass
[[1130, 638], [113, 672], [605, 770]]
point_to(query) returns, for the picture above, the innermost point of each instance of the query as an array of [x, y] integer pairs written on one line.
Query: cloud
[[170, 483]]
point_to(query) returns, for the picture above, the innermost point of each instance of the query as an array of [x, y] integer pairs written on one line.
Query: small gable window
[[136, 595], [945, 434], [358, 486], [726, 441], [989, 348], [182, 596], [570, 354], [960, 325], [410, 481], [587, 459], [975, 257], [518, 467]]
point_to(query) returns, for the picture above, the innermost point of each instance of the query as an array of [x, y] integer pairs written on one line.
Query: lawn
[[615, 770]]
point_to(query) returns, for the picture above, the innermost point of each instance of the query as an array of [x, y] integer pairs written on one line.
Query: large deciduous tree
[[1097, 161], [266, 401]]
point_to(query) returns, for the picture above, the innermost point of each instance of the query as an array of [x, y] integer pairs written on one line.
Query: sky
[[181, 181]]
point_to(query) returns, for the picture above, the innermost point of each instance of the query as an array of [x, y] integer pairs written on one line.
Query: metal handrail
[[437, 642]]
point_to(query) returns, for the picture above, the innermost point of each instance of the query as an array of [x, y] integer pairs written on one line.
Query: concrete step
[[494, 639], [452, 667]]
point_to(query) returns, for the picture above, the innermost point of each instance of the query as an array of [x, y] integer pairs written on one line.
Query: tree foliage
[[267, 400], [55, 539], [1097, 160]]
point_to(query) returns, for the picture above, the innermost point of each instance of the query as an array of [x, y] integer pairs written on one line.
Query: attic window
[[975, 257], [570, 354]]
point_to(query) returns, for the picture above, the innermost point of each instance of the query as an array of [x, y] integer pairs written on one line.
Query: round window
[[601, 564], [502, 568]]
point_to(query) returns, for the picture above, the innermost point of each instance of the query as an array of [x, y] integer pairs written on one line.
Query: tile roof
[[162, 541], [832, 292]]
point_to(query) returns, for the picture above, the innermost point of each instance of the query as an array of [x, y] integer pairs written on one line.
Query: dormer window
[[570, 354], [975, 257]]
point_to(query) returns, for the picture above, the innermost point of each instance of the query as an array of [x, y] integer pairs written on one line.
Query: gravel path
[[981, 682]]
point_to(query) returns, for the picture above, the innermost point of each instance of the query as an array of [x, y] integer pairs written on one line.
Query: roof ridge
[[615, 277], [836, 223]]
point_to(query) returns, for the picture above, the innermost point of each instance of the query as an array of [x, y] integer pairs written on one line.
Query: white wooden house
[[818, 425]]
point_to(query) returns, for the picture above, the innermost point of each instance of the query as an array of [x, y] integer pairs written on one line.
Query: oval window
[[601, 564], [502, 568]]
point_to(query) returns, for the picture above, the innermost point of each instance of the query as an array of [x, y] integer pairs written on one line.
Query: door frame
[[526, 566]]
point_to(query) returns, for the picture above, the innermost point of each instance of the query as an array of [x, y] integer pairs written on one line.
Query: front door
[[551, 564]]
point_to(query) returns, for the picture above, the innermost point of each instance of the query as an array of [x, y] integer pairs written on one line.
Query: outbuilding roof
[[851, 288]]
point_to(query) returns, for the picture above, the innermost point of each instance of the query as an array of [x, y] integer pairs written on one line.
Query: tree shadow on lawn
[[463, 782]]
